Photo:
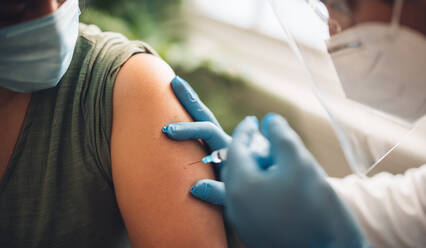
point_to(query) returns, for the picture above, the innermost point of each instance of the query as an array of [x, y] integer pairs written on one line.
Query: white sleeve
[[390, 208]]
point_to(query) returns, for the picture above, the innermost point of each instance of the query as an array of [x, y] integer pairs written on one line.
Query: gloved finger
[[214, 136], [210, 191], [191, 102], [241, 161], [286, 146]]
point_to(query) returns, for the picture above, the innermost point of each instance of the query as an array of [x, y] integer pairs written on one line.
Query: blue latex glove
[[289, 203], [205, 127]]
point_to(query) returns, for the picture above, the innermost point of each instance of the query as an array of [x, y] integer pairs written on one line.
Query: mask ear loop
[[396, 17], [394, 26]]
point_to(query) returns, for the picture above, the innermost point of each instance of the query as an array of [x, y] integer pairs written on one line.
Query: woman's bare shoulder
[[151, 175]]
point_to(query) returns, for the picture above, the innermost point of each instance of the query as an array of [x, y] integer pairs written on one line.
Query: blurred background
[[235, 55], [167, 26]]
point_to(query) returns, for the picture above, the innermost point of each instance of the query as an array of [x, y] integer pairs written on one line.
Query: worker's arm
[[390, 208], [151, 174], [281, 201]]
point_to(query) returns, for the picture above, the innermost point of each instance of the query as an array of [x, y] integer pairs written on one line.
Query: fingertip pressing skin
[[151, 177], [209, 191], [164, 129]]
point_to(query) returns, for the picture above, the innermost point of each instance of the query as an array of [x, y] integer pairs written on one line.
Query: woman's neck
[[9, 98], [13, 106]]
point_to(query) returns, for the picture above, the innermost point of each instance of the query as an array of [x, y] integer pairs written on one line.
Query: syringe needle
[[196, 162]]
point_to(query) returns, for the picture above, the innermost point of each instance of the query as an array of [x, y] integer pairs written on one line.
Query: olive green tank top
[[57, 190]]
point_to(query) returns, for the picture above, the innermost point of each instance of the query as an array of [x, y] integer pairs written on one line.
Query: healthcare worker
[[287, 200]]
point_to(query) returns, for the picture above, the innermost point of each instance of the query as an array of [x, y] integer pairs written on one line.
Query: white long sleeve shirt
[[390, 208]]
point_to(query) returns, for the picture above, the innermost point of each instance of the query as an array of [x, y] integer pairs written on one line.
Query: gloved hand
[[288, 203], [205, 127]]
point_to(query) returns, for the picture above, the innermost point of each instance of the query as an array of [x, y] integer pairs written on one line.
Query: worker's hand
[[285, 203], [205, 127], [288, 204]]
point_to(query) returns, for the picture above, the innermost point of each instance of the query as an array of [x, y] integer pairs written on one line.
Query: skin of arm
[[151, 175]]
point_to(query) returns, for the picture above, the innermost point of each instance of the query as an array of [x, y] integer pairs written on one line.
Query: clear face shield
[[380, 70]]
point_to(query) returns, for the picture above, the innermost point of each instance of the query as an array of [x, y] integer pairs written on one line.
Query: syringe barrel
[[258, 145], [220, 155]]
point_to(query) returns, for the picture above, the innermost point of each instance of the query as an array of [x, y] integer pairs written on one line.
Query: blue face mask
[[35, 55]]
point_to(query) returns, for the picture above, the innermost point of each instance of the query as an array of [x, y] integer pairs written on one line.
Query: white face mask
[[381, 69], [384, 70], [35, 55]]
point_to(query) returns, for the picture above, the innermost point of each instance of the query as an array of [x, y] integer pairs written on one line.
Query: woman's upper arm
[[151, 174]]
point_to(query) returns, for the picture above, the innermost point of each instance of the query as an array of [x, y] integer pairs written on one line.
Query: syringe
[[258, 145], [216, 157]]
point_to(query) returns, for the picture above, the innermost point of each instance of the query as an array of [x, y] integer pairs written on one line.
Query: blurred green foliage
[[154, 21], [157, 22]]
